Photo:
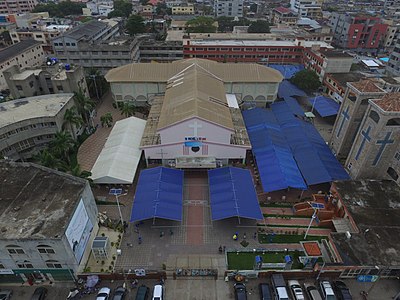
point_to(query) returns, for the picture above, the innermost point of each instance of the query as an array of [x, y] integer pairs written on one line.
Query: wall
[[137, 92]]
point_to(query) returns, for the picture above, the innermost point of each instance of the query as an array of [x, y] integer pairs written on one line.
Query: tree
[[144, 2], [73, 119], [122, 8], [78, 172], [106, 120], [162, 9], [201, 25], [253, 7], [226, 24], [61, 145], [135, 25], [47, 159], [97, 84], [83, 105], [62, 9], [306, 80], [259, 26], [128, 109]]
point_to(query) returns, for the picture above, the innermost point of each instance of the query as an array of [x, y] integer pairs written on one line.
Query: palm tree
[[83, 104], [62, 145], [97, 84], [106, 120], [72, 119], [128, 109], [47, 159], [78, 172]]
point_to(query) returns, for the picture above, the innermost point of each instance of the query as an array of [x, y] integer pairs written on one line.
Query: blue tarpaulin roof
[[159, 194], [287, 70], [276, 165], [288, 149], [288, 89], [325, 106], [294, 106], [232, 194]]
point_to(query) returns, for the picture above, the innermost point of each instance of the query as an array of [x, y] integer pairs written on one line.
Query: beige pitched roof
[[227, 72], [389, 102], [195, 92]]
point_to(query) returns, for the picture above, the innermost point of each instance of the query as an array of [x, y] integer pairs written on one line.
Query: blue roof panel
[[325, 106]]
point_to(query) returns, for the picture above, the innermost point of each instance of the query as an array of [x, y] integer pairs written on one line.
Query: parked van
[[279, 285], [158, 292]]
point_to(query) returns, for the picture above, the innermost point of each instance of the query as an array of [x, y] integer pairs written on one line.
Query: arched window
[[374, 116], [53, 264], [15, 249], [393, 122], [25, 264], [45, 249], [392, 173]]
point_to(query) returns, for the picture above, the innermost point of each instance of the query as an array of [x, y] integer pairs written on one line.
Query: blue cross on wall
[[346, 116], [386, 141], [366, 137]]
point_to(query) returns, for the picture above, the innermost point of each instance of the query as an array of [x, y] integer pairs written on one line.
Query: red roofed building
[[283, 15]]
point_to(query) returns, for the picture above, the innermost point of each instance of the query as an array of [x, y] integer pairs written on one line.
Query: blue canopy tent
[[287, 70], [159, 194], [287, 89], [326, 107], [232, 194]]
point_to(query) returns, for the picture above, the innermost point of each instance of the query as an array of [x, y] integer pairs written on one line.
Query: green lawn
[[245, 260], [292, 226], [288, 238], [276, 204], [285, 216]]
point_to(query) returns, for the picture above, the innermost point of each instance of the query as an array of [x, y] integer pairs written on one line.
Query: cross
[[162, 153], [346, 116], [366, 137], [195, 126], [383, 143]]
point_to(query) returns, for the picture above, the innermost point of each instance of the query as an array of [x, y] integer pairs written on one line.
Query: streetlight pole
[[312, 219], [119, 207], [315, 99]]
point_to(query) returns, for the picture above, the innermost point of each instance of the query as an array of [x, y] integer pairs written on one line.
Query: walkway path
[[277, 211]]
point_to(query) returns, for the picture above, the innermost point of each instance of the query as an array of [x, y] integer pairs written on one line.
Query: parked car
[[39, 294], [119, 293], [265, 291], [296, 289], [279, 285], [312, 292], [158, 292], [103, 294], [327, 290], [341, 290], [142, 293], [240, 291], [5, 294]]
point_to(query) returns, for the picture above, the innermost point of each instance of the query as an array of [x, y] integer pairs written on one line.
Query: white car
[[327, 290], [158, 292], [103, 294], [295, 287]]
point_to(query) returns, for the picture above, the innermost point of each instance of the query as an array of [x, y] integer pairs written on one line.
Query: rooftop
[[16, 49], [374, 206], [265, 43], [390, 102], [228, 72], [87, 30], [366, 86], [37, 201], [335, 54], [283, 10], [343, 78], [32, 107]]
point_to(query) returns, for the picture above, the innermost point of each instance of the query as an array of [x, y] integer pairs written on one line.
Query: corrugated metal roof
[[195, 92], [227, 72]]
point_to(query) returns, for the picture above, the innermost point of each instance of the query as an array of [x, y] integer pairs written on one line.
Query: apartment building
[[228, 8], [17, 6], [183, 10], [28, 125], [56, 79], [393, 66], [283, 15], [360, 33], [158, 51], [307, 8], [27, 53]]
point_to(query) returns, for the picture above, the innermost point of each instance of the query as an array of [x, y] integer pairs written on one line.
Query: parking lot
[[208, 289]]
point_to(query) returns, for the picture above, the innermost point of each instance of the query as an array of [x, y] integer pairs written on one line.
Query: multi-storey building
[[360, 33], [392, 9], [336, 84], [307, 8], [228, 8], [283, 15], [55, 222], [351, 114], [150, 50], [393, 66], [27, 53], [183, 10], [56, 79], [327, 61], [17, 6], [28, 125]]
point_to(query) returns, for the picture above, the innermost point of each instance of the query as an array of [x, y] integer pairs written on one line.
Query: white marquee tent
[[120, 156]]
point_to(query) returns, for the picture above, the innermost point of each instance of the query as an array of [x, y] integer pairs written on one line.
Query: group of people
[[235, 236]]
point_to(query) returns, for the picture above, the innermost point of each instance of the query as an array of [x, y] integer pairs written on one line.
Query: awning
[[232, 194], [159, 194], [120, 156], [324, 106], [288, 89]]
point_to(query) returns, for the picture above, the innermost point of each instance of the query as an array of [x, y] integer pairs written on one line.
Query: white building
[[307, 8], [228, 8]]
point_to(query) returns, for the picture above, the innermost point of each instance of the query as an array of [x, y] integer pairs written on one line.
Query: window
[[45, 249], [60, 88], [15, 249], [397, 156], [31, 84], [68, 44], [374, 116], [392, 173], [53, 264], [2, 266], [19, 88], [25, 265]]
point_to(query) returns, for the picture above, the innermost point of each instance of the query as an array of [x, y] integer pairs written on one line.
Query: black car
[[265, 291], [240, 291], [119, 293], [341, 290], [142, 293], [39, 294]]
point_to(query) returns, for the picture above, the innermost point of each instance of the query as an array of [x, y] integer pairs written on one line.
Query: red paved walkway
[[277, 211]]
